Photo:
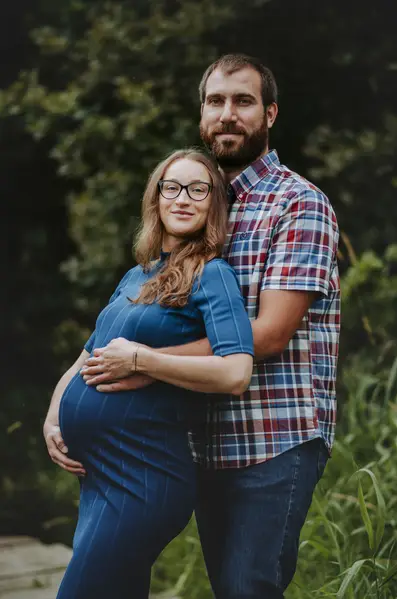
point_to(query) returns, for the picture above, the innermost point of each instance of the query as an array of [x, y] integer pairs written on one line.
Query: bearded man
[[260, 456]]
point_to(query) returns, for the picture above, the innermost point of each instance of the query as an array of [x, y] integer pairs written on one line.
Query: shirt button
[[243, 235]]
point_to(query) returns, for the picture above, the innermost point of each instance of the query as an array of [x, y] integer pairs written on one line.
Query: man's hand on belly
[[130, 383], [110, 368]]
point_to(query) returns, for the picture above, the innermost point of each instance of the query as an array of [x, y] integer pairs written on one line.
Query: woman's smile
[[182, 213]]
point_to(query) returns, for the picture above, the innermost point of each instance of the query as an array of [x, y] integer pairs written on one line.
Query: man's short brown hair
[[231, 63]]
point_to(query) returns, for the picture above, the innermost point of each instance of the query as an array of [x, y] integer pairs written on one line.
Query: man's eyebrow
[[237, 96], [244, 95], [214, 95]]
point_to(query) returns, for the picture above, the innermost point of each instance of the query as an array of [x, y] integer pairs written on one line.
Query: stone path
[[31, 570]]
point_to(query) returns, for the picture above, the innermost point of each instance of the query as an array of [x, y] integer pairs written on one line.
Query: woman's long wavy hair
[[173, 283]]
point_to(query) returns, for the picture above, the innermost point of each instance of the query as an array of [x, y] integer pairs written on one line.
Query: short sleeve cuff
[[226, 350], [90, 343], [295, 285]]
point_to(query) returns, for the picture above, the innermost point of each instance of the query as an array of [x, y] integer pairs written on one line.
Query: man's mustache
[[228, 128]]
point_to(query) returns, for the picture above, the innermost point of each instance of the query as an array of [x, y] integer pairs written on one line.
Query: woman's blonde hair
[[173, 283]]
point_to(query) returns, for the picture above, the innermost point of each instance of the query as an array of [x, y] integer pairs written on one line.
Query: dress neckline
[[164, 255]]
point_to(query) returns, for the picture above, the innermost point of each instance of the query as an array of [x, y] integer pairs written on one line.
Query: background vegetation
[[94, 93]]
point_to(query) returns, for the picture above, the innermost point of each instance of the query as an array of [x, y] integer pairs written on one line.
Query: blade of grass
[[381, 508], [350, 574], [365, 516]]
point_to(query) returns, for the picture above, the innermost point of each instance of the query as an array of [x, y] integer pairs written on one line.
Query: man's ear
[[202, 108], [271, 114]]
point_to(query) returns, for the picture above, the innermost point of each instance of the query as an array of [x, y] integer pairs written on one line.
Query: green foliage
[[359, 171], [369, 342]]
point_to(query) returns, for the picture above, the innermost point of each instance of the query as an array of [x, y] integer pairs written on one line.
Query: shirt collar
[[256, 171]]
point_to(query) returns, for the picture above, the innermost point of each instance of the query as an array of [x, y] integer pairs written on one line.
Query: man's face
[[233, 121]]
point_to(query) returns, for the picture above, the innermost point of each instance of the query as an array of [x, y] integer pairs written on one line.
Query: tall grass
[[348, 544]]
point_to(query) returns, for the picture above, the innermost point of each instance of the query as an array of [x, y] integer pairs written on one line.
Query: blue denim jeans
[[250, 519]]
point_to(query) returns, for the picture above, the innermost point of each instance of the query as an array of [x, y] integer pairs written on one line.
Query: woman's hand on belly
[[57, 449]]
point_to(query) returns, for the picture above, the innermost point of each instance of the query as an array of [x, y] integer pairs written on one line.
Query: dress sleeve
[[90, 343], [304, 244], [217, 296]]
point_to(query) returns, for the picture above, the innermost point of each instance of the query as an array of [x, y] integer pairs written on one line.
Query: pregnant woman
[[138, 488]]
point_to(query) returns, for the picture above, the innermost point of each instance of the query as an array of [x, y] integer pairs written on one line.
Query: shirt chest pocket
[[251, 240]]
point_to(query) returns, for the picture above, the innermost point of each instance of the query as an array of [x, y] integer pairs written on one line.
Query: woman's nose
[[183, 197]]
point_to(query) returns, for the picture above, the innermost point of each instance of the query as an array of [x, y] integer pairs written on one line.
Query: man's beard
[[227, 154]]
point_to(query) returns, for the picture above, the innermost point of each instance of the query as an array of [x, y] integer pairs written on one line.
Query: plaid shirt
[[283, 234]]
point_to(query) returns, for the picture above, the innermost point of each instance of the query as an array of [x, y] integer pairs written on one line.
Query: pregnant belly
[[128, 421]]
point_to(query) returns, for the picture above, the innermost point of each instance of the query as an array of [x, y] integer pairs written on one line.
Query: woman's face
[[183, 215]]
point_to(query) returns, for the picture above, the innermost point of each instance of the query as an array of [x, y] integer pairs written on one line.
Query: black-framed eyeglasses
[[197, 191]]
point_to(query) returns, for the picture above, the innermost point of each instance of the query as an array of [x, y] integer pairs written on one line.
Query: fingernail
[[64, 449]]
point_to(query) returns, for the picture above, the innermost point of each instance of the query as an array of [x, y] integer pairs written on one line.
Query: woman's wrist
[[143, 360], [50, 423]]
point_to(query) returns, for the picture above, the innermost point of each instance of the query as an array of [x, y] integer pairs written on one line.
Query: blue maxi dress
[[139, 490]]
